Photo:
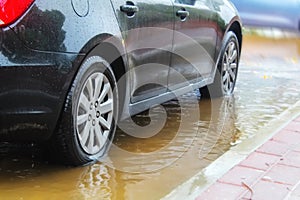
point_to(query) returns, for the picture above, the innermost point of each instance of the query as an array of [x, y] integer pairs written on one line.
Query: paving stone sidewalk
[[270, 172]]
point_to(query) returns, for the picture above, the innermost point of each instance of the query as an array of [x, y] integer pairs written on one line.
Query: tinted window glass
[[188, 2]]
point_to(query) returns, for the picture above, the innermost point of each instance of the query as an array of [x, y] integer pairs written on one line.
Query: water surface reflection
[[268, 84]]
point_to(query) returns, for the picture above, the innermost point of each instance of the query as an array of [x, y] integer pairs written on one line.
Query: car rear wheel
[[88, 123], [226, 74]]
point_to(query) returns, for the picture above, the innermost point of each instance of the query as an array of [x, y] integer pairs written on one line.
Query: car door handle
[[182, 14], [129, 9]]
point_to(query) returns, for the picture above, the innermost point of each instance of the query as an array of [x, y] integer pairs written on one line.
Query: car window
[[190, 2]]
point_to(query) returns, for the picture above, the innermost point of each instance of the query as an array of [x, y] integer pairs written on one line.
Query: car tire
[[227, 68], [88, 120]]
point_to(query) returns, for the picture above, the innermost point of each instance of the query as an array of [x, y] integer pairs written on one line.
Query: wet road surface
[[149, 168]]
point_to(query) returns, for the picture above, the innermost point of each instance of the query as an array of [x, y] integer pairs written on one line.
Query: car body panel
[[194, 42], [225, 15], [33, 87], [49, 26], [148, 39]]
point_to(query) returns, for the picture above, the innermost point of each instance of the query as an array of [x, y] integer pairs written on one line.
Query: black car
[[70, 69]]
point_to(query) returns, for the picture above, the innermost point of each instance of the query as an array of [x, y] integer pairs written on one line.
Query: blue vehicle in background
[[270, 13]]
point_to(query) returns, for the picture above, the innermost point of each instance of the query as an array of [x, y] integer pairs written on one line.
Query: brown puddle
[[149, 168]]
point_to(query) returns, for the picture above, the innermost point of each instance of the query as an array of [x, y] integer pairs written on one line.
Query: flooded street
[[150, 167]]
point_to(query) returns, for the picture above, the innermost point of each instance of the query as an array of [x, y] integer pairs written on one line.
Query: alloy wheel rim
[[229, 71], [94, 115]]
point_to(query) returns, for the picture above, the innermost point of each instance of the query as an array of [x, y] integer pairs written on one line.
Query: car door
[[195, 36], [147, 30]]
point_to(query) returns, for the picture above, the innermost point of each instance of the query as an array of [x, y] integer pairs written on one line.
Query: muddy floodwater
[[179, 138]]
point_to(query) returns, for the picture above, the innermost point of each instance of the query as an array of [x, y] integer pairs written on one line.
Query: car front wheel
[[226, 73]]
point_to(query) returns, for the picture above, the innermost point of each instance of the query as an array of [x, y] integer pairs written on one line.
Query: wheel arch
[[112, 50], [236, 27]]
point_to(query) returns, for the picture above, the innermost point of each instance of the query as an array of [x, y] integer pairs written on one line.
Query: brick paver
[[273, 148], [270, 172]]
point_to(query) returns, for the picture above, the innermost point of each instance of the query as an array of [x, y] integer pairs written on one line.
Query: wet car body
[[43, 50], [268, 13], [39, 59]]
